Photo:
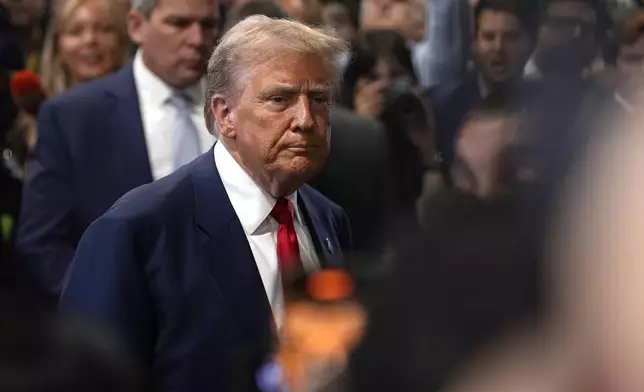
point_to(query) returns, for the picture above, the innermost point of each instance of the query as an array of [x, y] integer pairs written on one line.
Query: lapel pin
[[329, 247]]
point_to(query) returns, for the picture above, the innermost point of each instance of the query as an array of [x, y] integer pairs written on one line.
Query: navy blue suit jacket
[[91, 150], [169, 268]]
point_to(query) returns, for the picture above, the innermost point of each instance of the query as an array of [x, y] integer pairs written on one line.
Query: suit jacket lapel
[[226, 252], [325, 241], [127, 127]]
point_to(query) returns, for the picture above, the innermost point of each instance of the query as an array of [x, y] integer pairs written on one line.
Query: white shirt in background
[[159, 116]]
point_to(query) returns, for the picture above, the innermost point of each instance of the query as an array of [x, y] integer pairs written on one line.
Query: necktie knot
[[180, 101], [283, 211]]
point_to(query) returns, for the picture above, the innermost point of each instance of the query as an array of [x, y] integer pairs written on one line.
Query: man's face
[[501, 46], [630, 65], [567, 35], [279, 123], [177, 38]]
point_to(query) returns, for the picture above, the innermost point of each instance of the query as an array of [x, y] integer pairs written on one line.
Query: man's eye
[[278, 100], [321, 100], [180, 23]]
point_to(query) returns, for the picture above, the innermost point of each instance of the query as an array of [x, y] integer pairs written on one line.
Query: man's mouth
[[499, 65]]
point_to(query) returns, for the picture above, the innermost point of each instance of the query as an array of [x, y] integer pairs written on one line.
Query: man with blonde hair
[[189, 269]]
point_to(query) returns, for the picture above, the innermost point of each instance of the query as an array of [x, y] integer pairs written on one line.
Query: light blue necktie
[[185, 140]]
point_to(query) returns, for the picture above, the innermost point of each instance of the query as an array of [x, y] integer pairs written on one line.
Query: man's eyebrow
[[291, 88]]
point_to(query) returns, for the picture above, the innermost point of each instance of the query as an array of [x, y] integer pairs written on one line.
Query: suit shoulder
[[86, 95], [157, 201], [443, 94]]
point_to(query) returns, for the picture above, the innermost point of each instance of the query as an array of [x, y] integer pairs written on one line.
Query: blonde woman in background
[[87, 39]]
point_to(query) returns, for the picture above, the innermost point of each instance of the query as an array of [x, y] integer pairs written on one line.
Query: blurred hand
[[368, 98]]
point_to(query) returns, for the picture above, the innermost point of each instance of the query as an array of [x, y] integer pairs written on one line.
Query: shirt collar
[[251, 203], [531, 70], [483, 87], [156, 91]]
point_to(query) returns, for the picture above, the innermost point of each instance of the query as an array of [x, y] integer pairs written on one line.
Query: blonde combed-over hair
[[257, 39]]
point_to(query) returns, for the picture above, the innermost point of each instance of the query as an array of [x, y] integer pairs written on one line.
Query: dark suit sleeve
[[107, 285], [43, 238]]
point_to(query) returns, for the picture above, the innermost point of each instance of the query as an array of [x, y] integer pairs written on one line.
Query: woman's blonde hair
[[54, 76]]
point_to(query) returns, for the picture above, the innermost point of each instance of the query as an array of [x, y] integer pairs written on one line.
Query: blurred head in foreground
[[599, 257], [42, 352], [468, 278]]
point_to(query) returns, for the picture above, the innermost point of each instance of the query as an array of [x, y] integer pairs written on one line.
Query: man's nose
[[303, 118], [497, 44], [195, 34]]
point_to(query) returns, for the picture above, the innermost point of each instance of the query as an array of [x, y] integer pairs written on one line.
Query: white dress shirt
[[159, 116], [253, 206]]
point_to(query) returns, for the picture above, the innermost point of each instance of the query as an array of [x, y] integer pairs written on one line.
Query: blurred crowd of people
[[455, 131]]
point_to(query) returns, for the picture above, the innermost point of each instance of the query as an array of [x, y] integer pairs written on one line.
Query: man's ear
[[222, 111], [136, 23]]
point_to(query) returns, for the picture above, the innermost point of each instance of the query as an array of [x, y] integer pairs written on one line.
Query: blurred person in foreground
[[503, 36], [465, 279], [42, 351], [86, 39], [100, 140], [591, 339], [188, 270]]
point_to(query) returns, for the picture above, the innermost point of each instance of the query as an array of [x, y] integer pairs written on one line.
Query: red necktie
[[288, 252]]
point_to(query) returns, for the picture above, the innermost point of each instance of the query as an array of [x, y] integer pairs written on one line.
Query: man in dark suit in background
[[188, 268], [501, 47], [355, 177], [102, 139]]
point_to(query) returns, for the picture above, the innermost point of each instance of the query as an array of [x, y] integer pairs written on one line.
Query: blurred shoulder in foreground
[[42, 351]]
